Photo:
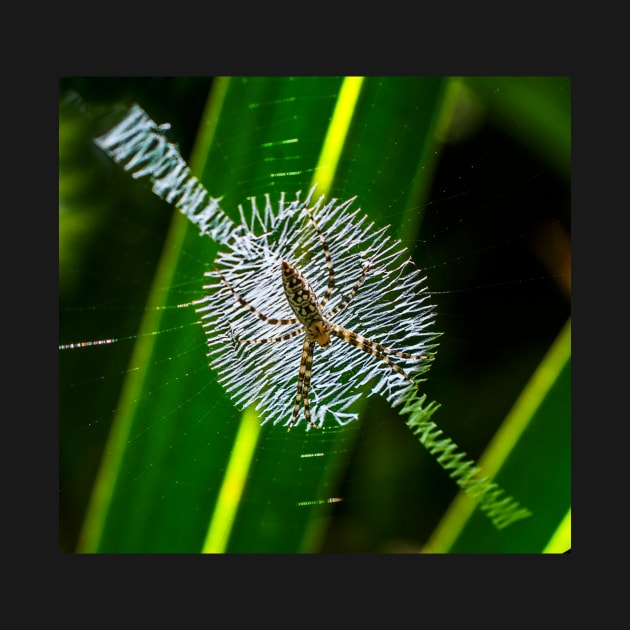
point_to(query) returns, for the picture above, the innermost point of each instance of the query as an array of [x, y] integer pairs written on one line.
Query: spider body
[[316, 325], [305, 305]]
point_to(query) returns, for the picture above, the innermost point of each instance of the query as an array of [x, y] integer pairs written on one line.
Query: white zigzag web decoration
[[390, 308]]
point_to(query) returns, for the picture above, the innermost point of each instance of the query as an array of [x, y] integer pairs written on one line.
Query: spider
[[316, 325]]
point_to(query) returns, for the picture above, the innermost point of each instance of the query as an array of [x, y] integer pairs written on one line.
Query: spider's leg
[[350, 295], [290, 335], [307, 400], [373, 348], [331, 272], [253, 309], [304, 378], [383, 349]]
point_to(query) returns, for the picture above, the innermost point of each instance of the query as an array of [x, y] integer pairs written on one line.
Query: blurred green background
[[473, 175]]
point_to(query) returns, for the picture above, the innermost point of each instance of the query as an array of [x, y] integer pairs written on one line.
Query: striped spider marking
[[317, 326]]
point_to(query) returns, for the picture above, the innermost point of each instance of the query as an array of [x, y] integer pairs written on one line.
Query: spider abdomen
[[300, 295], [305, 305]]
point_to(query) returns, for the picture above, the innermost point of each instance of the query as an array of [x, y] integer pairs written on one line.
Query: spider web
[[447, 248], [391, 308]]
